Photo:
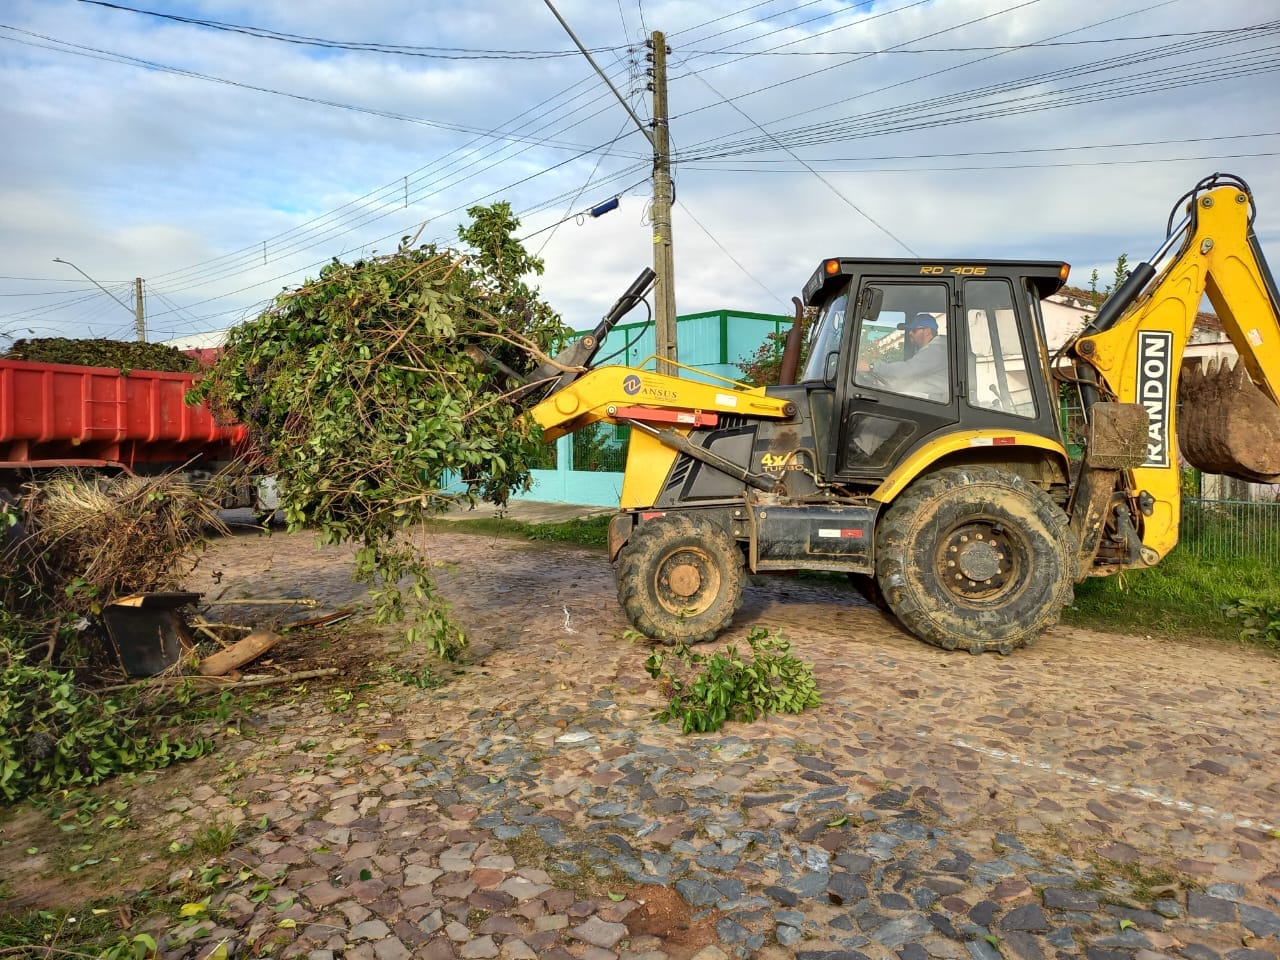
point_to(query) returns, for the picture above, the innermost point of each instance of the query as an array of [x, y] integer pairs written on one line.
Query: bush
[[1259, 621], [53, 733], [364, 397]]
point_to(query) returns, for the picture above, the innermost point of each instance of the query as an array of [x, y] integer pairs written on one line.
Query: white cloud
[[128, 171]]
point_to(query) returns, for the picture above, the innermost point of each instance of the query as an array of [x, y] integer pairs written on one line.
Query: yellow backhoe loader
[[921, 450]]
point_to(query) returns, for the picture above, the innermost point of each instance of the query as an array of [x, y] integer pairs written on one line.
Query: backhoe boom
[[1133, 351]]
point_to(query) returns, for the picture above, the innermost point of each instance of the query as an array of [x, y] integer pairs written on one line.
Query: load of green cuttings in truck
[[117, 354]]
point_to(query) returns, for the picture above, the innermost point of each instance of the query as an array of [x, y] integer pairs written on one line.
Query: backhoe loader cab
[[908, 353], [920, 450]]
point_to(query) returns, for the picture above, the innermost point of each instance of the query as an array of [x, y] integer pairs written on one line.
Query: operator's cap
[[918, 321]]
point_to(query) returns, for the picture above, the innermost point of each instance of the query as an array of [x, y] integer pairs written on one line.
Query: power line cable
[[1011, 47], [539, 142], [47, 308], [722, 17], [751, 276], [539, 109], [405, 50], [987, 168], [1055, 149], [587, 183], [54, 280], [934, 73], [46, 293], [890, 120], [793, 26], [248, 256], [326, 225], [574, 216], [343, 221], [837, 66], [109, 56], [316, 238], [1127, 61], [831, 186], [396, 234], [288, 251]]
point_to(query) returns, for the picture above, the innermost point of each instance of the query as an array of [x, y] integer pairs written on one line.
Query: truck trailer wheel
[[680, 578], [976, 558]]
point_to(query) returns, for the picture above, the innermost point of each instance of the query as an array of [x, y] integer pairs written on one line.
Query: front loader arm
[[662, 410], [1133, 352], [616, 394]]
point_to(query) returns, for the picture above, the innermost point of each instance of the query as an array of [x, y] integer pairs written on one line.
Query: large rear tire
[[680, 579], [868, 588], [976, 558]]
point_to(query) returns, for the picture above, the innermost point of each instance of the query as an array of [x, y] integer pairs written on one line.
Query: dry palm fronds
[[112, 537]]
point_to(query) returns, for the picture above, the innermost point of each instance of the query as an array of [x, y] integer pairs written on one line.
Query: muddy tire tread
[[922, 604], [637, 564]]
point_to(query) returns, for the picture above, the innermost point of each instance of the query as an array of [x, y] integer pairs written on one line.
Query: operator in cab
[[923, 372]]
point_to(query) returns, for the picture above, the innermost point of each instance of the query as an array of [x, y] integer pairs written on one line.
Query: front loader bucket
[[1226, 424]]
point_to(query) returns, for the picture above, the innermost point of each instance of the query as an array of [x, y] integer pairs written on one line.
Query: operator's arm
[[923, 375]]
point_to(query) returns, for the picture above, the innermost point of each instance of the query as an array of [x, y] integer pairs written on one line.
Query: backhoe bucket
[[1226, 424]]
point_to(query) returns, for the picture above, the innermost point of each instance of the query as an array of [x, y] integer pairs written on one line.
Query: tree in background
[[762, 368], [361, 399], [1120, 276]]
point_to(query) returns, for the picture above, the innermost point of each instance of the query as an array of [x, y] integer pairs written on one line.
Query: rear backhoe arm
[[1132, 354]]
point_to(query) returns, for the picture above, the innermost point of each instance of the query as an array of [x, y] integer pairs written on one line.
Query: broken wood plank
[[239, 653]]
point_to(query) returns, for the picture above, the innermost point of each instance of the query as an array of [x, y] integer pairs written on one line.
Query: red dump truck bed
[[58, 415]]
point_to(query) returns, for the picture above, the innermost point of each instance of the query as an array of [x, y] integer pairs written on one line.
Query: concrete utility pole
[[139, 311], [664, 264], [663, 194], [139, 314]]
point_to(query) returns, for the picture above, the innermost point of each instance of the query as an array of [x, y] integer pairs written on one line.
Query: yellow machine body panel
[[648, 463], [971, 441], [599, 393]]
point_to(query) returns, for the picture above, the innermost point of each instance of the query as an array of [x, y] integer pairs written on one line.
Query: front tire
[[976, 558], [680, 579]]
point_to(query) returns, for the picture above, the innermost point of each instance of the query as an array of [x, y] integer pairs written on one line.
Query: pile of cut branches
[[113, 537], [66, 547], [86, 540], [121, 355], [363, 400]]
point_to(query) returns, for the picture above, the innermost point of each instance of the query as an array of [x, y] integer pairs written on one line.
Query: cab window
[[1000, 378], [903, 348], [824, 343]]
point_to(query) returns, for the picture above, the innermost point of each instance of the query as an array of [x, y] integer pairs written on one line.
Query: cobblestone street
[[1101, 796]]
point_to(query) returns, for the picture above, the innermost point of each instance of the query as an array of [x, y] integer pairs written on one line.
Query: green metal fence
[[1219, 529]]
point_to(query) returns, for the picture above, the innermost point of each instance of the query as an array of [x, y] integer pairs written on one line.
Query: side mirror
[[833, 364], [870, 302]]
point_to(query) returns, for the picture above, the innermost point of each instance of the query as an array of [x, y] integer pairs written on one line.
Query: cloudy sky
[[223, 163]]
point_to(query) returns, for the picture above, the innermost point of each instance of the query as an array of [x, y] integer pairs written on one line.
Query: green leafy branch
[[55, 735], [363, 396], [704, 692]]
